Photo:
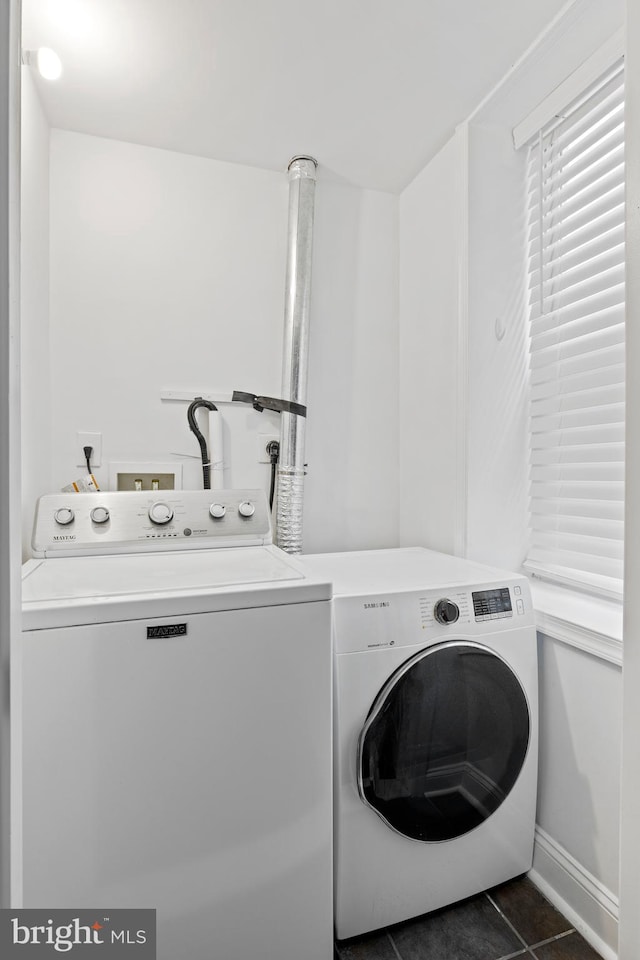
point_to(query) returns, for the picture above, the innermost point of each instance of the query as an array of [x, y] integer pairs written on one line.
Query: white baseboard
[[588, 905]]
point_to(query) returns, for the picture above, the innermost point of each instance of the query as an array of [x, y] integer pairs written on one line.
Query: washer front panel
[[444, 742], [187, 770]]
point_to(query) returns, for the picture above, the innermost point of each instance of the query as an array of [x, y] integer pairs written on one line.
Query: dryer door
[[444, 742]]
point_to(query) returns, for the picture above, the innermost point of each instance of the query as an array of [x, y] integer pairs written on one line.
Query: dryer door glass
[[444, 742]]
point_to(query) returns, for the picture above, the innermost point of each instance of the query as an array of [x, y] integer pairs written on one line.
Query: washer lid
[[75, 590], [71, 578]]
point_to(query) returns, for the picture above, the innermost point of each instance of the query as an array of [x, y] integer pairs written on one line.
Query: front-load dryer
[[436, 722]]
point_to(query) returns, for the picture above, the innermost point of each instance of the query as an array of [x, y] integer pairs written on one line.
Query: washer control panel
[[80, 524]]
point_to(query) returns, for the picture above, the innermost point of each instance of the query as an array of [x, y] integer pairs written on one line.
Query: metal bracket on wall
[[269, 403]]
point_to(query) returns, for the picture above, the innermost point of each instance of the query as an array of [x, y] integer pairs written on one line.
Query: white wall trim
[[462, 386], [575, 84], [583, 638], [589, 623], [584, 900], [549, 37]]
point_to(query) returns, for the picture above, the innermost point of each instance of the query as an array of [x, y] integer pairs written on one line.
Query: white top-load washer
[[175, 709], [436, 725]]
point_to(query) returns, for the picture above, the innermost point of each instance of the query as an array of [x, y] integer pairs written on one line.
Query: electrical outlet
[[89, 440], [263, 440]]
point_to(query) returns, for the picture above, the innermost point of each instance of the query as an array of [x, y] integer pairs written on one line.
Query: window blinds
[[576, 307]]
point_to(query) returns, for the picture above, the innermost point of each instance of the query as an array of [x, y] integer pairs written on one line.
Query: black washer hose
[[193, 426], [273, 449]]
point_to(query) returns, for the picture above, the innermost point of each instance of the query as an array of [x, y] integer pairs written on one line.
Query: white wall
[[351, 498], [168, 271], [35, 373], [430, 373], [165, 273], [497, 456], [578, 815]]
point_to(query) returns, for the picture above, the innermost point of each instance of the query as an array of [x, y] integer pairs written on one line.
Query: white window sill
[[591, 624]]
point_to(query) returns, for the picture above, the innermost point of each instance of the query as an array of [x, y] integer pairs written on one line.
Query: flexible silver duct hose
[[290, 496]]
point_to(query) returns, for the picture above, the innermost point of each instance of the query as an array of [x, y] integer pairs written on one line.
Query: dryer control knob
[[100, 514], [446, 611], [246, 509], [160, 512], [217, 510], [63, 516]]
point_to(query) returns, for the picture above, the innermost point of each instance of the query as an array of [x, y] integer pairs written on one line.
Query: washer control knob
[[246, 509], [217, 510], [446, 611], [63, 516], [160, 512], [100, 514]]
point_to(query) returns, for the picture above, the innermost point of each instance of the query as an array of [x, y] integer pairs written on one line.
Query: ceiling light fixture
[[46, 60]]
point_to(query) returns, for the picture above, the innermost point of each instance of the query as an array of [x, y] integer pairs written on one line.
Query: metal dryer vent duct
[[290, 476]]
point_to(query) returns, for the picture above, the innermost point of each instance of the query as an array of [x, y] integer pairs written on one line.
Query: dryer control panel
[[415, 618], [80, 524]]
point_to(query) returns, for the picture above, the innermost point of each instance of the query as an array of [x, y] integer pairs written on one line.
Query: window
[[576, 215]]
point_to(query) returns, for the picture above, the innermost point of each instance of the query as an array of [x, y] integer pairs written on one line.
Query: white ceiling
[[371, 88]]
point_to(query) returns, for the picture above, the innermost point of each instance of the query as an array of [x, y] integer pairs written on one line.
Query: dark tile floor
[[513, 920]]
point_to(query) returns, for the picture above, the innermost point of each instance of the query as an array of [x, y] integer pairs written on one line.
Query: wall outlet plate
[[146, 481], [88, 440], [123, 476]]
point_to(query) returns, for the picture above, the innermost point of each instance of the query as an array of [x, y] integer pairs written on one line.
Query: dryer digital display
[[488, 604]]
